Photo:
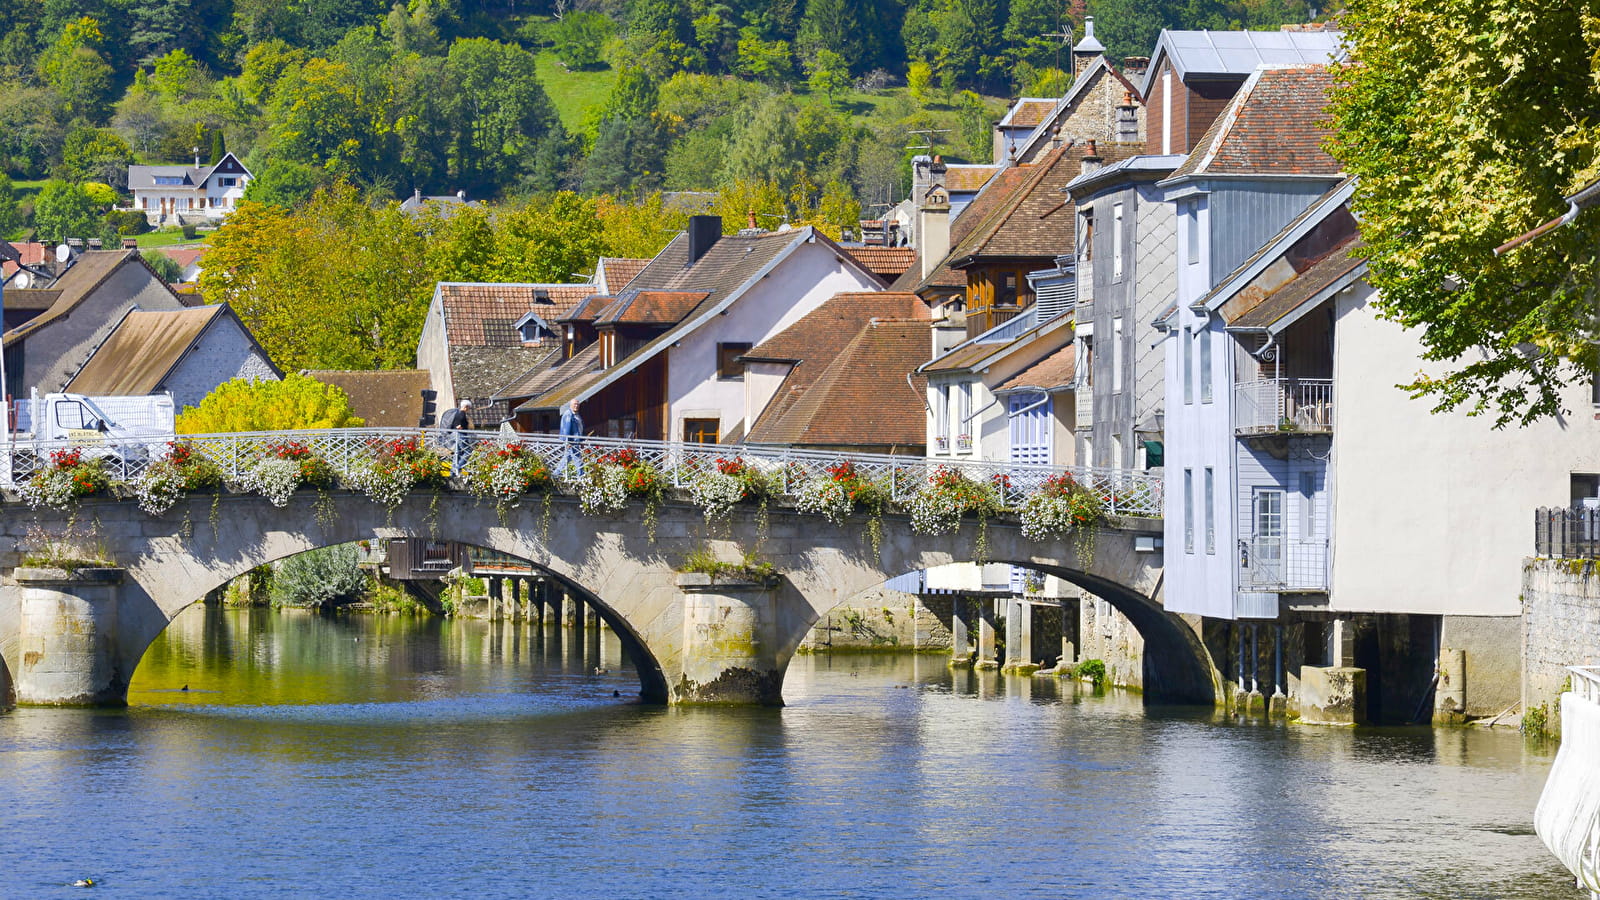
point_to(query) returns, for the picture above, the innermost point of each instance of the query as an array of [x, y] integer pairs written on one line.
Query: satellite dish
[[63, 253], [21, 280]]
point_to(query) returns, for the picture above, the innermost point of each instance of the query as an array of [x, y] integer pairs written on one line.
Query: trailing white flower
[[1046, 515], [605, 490], [386, 487], [274, 479], [159, 488], [505, 483], [50, 487], [935, 512], [825, 497], [716, 494]]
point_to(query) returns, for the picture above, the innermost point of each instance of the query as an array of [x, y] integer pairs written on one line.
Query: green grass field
[[573, 93], [169, 239]]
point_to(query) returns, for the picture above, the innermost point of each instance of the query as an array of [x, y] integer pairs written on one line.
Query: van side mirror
[[100, 425]]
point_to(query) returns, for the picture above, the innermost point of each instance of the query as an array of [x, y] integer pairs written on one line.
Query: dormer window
[[531, 328], [169, 179], [540, 295]]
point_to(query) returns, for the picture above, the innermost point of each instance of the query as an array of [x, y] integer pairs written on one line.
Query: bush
[[128, 222], [320, 578], [296, 402], [190, 232]]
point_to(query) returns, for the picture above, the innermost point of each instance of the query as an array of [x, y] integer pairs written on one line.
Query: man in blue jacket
[[571, 433]]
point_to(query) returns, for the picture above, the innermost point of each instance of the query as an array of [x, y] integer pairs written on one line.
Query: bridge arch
[[632, 582]]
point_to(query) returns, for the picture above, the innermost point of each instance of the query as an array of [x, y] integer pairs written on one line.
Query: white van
[[123, 429]]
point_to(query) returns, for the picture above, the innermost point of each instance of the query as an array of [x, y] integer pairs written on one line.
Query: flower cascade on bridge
[[616, 475], [67, 478], [181, 471], [284, 468], [505, 473], [396, 467]]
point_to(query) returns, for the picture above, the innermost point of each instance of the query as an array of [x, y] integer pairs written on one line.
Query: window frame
[[698, 425], [727, 358]]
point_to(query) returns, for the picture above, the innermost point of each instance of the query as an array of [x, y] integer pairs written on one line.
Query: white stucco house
[[172, 195]]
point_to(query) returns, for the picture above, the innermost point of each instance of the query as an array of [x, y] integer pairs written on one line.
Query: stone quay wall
[[1560, 628]]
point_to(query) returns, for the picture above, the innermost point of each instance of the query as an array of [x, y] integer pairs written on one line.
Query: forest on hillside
[[516, 97]]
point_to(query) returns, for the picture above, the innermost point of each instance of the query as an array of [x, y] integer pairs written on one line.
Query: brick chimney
[[1127, 119], [1091, 158]]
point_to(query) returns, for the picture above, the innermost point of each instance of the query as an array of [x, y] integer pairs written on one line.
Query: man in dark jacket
[[454, 423]]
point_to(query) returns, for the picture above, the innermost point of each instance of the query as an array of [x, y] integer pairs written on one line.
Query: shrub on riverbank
[[320, 578]]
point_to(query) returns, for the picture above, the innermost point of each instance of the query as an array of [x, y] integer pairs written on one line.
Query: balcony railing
[[1565, 533], [1283, 405], [1280, 565]]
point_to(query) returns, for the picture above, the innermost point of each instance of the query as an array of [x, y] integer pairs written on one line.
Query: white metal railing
[[1283, 405], [1123, 492], [1281, 565], [1586, 682]]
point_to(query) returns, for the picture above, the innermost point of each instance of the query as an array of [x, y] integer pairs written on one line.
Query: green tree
[[10, 215], [79, 74], [768, 61], [829, 74], [64, 209], [919, 81], [629, 152], [284, 183], [297, 402], [164, 266], [320, 578], [828, 25], [501, 117], [96, 154], [580, 36], [1466, 123]]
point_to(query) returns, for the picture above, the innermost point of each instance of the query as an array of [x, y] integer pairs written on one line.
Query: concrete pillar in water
[[986, 616], [67, 638], [1019, 637], [960, 651], [1450, 699], [1278, 705], [580, 614], [1255, 702], [730, 646], [514, 596], [536, 601], [569, 610]]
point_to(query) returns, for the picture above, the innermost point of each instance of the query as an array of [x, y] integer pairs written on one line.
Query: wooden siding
[[640, 395]]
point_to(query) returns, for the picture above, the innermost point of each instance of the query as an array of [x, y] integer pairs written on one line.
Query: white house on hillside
[[172, 195]]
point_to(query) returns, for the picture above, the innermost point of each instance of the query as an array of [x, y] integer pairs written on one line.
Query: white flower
[[935, 512], [388, 488], [159, 488], [1045, 516], [716, 493], [50, 487], [825, 497], [274, 479], [605, 490]]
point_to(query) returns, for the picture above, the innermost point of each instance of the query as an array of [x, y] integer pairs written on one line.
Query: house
[[183, 352], [170, 195], [613, 273], [476, 337], [661, 360], [69, 317], [888, 263], [385, 398], [444, 204], [189, 260], [808, 385]]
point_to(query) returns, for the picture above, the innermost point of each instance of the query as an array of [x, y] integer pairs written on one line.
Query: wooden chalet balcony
[[1283, 406]]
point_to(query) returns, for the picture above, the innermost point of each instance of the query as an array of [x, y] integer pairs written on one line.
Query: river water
[[394, 757]]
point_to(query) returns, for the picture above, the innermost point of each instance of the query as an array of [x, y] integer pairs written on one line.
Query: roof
[[996, 343], [943, 276], [88, 272], [485, 315], [33, 253], [968, 178], [1278, 309], [867, 376], [1055, 372], [387, 398], [1034, 218], [1133, 167], [613, 273], [887, 263], [823, 332], [650, 308], [183, 256], [480, 372], [548, 374], [142, 351], [144, 177], [1027, 112], [1080, 86], [1275, 125], [1309, 220], [1238, 53], [727, 268]]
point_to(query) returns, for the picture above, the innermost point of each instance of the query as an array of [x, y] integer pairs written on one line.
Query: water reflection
[[367, 756]]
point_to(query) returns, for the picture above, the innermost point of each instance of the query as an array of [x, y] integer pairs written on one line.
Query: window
[[1188, 365], [1594, 391], [74, 416], [1205, 364], [1211, 510], [1269, 530], [1088, 359], [1308, 505], [227, 182], [963, 412], [1006, 290], [729, 368], [1086, 236], [169, 179], [144, 202], [1188, 510], [700, 431], [1191, 232], [1116, 242], [941, 418], [1116, 354], [1116, 452]]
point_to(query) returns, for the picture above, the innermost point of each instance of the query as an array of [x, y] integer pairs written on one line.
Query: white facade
[[801, 282], [1433, 513], [172, 194]]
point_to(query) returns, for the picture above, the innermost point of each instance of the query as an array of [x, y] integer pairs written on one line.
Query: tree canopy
[[296, 402], [1467, 122]]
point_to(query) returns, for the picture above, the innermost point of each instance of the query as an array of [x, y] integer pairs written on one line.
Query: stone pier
[[730, 644], [986, 617], [68, 638]]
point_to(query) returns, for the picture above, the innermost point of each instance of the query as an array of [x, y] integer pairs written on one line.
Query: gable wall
[[223, 352], [58, 350]]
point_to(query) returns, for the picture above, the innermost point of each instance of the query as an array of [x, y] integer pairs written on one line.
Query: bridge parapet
[[1567, 818], [1121, 492]]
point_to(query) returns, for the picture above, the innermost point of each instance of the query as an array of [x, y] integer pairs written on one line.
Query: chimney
[[1127, 119], [750, 220], [933, 219], [704, 232], [1091, 158], [416, 194], [197, 157], [1135, 66], [1088, 50]]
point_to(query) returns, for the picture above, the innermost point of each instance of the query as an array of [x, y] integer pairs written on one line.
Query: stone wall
[[1107, 635], [879, 620], [1560, 628]]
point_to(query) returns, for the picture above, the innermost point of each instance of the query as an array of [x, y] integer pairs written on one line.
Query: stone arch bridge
[[76, 637]]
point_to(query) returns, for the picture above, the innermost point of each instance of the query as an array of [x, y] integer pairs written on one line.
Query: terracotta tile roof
[[142, 351], [1034, 218], [33, 254], [887, 263], [588, 309], [650, 308], [965, 179], [183, 256], [485, 315], [943, 276], [1028, 112], [820, 334], [617, 271], [389, 398], [1275, 125], [1053, 373], [861, 399]]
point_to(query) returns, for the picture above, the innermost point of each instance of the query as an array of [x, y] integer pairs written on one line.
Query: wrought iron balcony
[[1283, 405], [1280, 565]]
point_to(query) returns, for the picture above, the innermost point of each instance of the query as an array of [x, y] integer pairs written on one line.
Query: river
[[368, 756]]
